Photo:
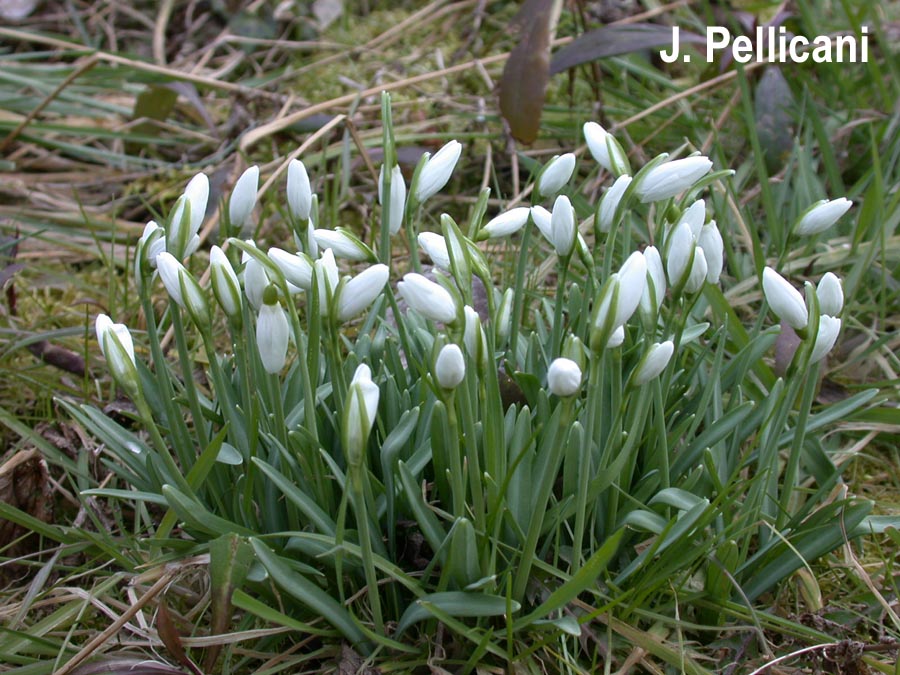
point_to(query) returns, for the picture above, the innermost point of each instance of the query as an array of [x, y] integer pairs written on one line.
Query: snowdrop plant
[[620, 438]]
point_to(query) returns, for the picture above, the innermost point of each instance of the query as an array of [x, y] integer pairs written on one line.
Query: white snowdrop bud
[[830, 294], [450, 367], [671, 178], [784, 300], [243, 198], [507, 222], [556, 174], [821, 215], [299, 192], [653, 362], [428, 298], [827, 335], [564, 377], [610, 202], [437, 171]]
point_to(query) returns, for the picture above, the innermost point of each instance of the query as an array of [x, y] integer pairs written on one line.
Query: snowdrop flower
[[296, 267], [562, 226], [507, 222], [671, 178], [436, 171], [450, 367], [784, 300], [224, 283], [655, 290], [821, 215], [681, 247], [360, 411], [543, 220], [361, 291], [243, 198], [183, 288], [605, 149], [398, 197], [830, 295], [255, 281], [435, 246], [343, 244], [609, 203], [710, 240], [653, 362], [563, 377], [555, 174], [118, 350], [617, 338], [827, 335], [187, 217], [299, 192], [619, 298], [428, 298], [327, 279], [697, 275], [153, 240], [272, 336], [632, 281], [695, 216]]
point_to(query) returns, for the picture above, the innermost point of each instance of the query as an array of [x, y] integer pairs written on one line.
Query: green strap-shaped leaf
[[456, 604]]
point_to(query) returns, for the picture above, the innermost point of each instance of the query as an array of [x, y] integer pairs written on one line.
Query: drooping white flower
[[359, 416], [296, 267], [327, 279], [181, 286], [182, 237], [697, 275], [653, 362], [428, 298], [829, 328], [243, 198], [821, 215], [437, 171], [398, 197], [507, 222], [255, 281], [435, 246], [710, 240], [117, 347], [609, 203], [224, 282], [361, 291], [680, 247], [671, 178], [153, 241], [695, 216], [543, 220], [450, 367], [784, 300], [655, 290], [556, 174], [197, 193], [272, 333], [632, 281], [564, 377], [562, 226], [830, 295], [617, 338], [343, 244], [299, 192], [605, 149]]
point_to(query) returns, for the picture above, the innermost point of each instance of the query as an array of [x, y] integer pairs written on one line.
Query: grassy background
[[106, 110]]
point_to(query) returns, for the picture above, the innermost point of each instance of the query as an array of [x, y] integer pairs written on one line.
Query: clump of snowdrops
[[355, 448]]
